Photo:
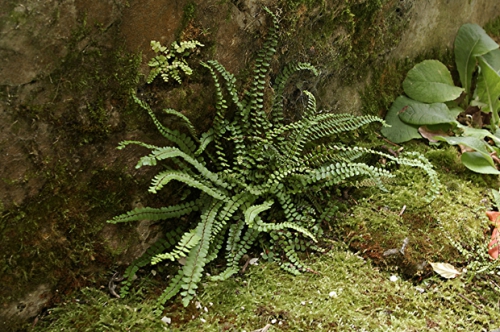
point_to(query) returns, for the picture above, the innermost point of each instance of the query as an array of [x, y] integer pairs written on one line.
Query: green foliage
[[440, 111], [168, 63], [91, 309], [258, 176], [474, 246], [476, 250], [158, 247]]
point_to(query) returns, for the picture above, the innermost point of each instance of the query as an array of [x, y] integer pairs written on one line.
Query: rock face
[[35, 34], [67, 68], [435, 23]]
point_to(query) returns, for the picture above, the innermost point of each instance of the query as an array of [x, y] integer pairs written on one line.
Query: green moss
[[84, 312], [188, 15], [493, 27], [344, 37], [346, 294]]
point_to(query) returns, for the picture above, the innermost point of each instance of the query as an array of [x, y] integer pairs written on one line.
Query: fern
[[159, 246], [168, 63], [258, 178]]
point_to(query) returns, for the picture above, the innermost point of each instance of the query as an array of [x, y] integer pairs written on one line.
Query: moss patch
[[347, 294]]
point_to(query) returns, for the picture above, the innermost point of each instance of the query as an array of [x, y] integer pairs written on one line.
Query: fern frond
[[172, 290], [230, 81], [183, 247], [163, 178], [186, 122], [269, 227], [335, 173], [240, 248], [168, 152], [330, 124], [206, 138], [415, 159], [254, 110], [123, 144], [253, 211], [234, 236], [217, 243], [163, 213], [324, 154], [184, 142], [276, 114], [219, 123], [196, 260], [159, 246]]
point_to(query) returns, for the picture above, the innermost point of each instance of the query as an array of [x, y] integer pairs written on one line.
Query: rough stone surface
[[434, 24], [30, 304], [34, 34]]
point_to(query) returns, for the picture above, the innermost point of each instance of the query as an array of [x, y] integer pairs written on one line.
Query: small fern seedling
[[169, 63]]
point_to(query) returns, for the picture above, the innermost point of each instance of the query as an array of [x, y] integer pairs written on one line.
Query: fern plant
[[168, 63], [258, 176]]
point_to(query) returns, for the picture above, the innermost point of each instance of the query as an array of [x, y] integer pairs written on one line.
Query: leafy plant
[[168, 63], [257, 175], [436, 109]]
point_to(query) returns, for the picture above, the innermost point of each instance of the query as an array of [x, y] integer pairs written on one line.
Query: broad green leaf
[[493, 59], [430, 82], [471, 41], [399, 132], [479, 133], [479, 163], [470, 142], [488, 88], [422, 114]]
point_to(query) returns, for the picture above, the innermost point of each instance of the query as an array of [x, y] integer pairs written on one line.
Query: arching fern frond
[[196, 260], [252, 212], [185, 121], [163, 213], [182, 249], [163, 178], [162, 244], [184, 142]]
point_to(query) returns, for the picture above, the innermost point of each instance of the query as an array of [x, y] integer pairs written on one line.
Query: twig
[[402, 211], [385, 139], [495, 285], [245, 266], [264, 329], [312, 271], [112, 285], [470, 302]]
